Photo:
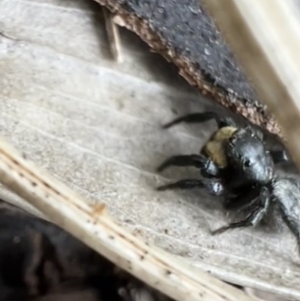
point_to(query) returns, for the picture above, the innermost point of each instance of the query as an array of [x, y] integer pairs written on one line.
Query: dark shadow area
[[39, 261]]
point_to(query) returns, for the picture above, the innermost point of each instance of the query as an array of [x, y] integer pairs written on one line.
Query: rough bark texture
[[182, 32]]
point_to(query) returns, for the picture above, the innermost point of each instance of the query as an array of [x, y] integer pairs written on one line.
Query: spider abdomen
[[214, 148]]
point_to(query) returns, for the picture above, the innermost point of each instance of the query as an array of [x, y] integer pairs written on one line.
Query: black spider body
[[236, 163], [224, 157]]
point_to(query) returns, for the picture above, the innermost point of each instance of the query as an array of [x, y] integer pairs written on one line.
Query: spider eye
[[247, 163]]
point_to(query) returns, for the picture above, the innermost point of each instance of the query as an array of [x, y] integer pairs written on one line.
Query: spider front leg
[[279, 156], [291, 218], [202, 117], [208, 168], [212, 186], [294, 227], [253, 219]]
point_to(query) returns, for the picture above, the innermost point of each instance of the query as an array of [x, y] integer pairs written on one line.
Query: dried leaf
[[95, 125]]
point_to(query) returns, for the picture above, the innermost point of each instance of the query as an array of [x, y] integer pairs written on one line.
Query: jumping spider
[[236, 163]]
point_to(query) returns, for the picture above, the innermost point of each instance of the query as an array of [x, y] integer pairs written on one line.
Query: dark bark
[[182, 32]]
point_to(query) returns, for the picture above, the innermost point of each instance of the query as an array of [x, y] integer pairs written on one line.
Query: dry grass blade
[[265, 36], [98, 231], [113, 35]]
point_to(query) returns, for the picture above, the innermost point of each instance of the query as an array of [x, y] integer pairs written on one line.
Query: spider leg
[[253, 218], [292, 221], [212, 186], [279, 156], [243, 199], [296, 232], [202, 117], [207, 166]]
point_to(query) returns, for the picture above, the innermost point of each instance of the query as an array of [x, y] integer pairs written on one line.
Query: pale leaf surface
[[96, 126]]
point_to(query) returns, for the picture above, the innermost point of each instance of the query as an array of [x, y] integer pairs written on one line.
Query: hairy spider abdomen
[[214, 148]]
